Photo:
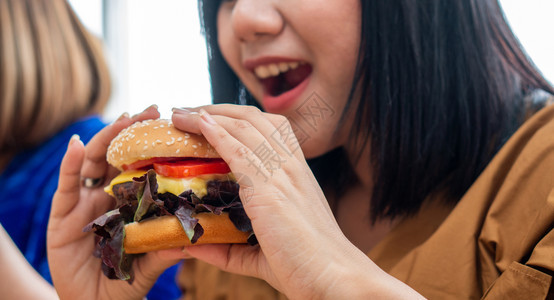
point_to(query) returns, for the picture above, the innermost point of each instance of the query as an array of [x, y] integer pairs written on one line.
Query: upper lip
[[262, 66]]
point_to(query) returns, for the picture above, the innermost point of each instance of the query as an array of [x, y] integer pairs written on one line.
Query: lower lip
[[276, 104]]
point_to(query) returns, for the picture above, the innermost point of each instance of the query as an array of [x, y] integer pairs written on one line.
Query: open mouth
[[280, 78]]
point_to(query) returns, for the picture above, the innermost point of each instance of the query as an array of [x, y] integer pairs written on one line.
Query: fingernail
[[155, 106], [180, 110], [74, 138], [152, 106], [206, 117], [125, 115]]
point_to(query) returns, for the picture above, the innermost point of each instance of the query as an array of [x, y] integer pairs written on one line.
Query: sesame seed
[[138, 142], [168, 132], [194, 146], [180, 139], [186, 142], [178, 150], [145, 147]]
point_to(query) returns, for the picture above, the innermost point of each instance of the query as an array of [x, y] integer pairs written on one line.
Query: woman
[[54, 83], [430, 134]]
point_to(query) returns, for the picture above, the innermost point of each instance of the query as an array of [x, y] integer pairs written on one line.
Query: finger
[[95, 165], [149, 267], [235, 258], [239, 157], [242, 130], [150, 112], [282, 131], [276, 128], [67, 194]]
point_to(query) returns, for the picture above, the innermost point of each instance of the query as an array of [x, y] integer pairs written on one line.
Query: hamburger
[[174, 190]]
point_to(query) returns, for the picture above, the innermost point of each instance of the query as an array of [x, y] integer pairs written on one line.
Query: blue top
[[27, 186]]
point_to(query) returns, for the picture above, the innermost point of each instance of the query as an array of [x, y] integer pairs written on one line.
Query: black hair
[[442, 85]]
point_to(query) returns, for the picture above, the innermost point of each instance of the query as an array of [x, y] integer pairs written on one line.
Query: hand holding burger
[[76, 274]]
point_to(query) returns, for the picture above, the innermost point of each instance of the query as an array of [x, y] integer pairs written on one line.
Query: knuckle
[[285, 124], [242, 124], [221, 136], [280, 119], [241, 152], [253, 110]]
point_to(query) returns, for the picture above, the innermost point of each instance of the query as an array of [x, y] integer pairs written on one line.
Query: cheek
[[225, 39], [230, 47]]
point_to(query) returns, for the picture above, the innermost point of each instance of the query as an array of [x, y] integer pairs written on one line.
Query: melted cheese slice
[[176, 186]]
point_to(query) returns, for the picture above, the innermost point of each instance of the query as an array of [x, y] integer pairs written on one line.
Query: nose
[[252, 19]]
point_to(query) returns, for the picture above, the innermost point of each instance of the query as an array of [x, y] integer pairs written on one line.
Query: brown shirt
[[496, 243]]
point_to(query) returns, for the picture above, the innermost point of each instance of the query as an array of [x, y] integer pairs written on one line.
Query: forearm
[[19, 279]]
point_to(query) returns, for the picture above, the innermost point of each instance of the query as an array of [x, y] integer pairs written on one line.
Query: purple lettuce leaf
[[109, 244], [189, 223], [147, 205], [240, 219], [113, 256]]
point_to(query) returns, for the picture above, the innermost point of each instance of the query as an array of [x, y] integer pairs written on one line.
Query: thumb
[[67, 194], [150, 266], [235, 258]]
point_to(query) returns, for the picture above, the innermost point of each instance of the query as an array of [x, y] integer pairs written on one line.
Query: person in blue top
[[54, 84]]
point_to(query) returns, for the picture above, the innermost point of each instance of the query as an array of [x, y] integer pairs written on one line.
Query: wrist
[[361, 278]]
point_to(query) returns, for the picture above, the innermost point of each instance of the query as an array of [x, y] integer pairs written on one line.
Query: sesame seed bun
[[156, 138]]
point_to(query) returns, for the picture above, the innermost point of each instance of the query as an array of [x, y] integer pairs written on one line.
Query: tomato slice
[[193, 167], [142, 164]]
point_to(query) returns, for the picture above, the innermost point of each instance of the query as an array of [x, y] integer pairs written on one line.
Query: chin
[[314, 149]]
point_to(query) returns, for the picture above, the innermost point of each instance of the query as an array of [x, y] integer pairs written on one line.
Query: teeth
[[283, 67], [262, 72], [272, 70]]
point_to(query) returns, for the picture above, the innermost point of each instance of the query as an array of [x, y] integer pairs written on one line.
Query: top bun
[[156, 138]]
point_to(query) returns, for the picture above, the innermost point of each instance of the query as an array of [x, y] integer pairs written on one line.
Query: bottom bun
[[167, 233]]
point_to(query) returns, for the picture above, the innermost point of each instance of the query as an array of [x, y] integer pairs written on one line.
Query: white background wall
[[156, 52], [532, 21], [158, 55]]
